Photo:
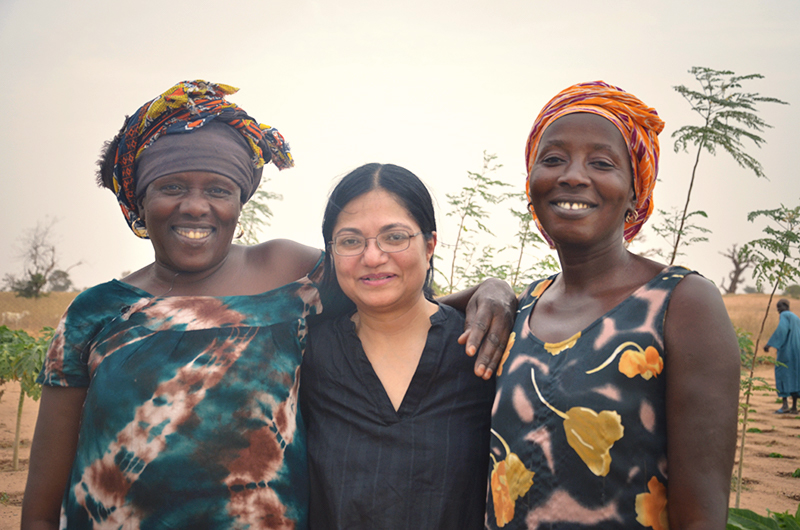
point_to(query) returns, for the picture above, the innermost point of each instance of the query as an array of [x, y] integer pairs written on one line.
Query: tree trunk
[[15, 460]]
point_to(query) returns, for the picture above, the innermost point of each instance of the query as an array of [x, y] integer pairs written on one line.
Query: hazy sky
[[428, 85]]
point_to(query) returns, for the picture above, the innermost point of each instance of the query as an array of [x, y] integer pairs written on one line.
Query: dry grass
[[32, 314], [747, 312]]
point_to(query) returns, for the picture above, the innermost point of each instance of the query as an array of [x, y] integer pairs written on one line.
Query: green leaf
[[749, 520]]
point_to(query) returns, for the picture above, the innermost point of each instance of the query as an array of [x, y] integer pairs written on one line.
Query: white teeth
[[572, 205], [196, 233]]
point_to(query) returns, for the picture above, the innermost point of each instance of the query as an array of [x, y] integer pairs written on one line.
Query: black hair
[[404, 186], [105, 164]]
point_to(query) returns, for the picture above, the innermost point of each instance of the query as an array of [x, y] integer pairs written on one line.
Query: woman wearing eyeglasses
[[398, 424]]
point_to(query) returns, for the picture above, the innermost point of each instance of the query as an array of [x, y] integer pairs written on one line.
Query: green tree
[[21, 359], [60, 282], [673, 226], [257, 213], [40, 262], [729, 118], [776, 259], [792, 291], [468, 207]]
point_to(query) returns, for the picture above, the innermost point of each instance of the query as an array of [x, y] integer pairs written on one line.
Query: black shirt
[[371, 467]]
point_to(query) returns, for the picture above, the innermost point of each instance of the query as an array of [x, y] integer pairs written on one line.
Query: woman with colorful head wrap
[[170, 397], [616, 402]]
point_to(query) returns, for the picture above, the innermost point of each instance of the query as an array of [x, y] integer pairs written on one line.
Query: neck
[[582, 269], [171, 282], [396, 322]]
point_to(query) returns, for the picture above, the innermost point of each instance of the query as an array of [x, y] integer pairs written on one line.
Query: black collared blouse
[[423, 466]]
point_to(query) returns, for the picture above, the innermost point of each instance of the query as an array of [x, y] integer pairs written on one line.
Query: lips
[[194, 233], [377, 278], [573, 205]]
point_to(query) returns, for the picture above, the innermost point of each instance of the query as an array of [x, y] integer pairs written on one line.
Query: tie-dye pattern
[[191, 418], [587, 424]]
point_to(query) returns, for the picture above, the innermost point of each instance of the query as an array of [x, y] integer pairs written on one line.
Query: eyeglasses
[[354, 245]]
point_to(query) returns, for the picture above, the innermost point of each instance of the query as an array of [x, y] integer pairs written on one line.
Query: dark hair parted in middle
[[403, 185]]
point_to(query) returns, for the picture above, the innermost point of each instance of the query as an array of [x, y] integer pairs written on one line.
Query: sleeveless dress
[[579, 427], [191, 417]]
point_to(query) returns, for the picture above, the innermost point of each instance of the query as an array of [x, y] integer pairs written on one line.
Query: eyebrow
[[564, 144], [384, 228]]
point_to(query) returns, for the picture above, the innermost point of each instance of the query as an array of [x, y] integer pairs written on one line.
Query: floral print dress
[[579, 427], [191, 416]]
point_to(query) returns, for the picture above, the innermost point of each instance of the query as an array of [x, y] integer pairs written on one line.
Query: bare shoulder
[[696, 297], [697, 320], [284, 256]]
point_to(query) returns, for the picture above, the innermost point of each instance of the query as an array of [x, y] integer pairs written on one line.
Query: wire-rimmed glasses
[[354, 244]]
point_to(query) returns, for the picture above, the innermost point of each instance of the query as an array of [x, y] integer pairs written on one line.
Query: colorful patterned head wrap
[[184, 108], [638, 123]]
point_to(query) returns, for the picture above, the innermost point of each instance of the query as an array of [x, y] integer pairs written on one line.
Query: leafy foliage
[[749, 520], [729, 118], [674, 229], [468, 208], [256, 213], [21, 359]]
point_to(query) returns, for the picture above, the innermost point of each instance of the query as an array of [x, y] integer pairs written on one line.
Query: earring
[[630, 217], [240, 231]]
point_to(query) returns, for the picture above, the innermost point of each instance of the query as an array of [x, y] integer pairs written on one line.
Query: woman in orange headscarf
[[616, 401]]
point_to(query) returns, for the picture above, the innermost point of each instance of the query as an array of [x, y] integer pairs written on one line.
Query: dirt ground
[[768, 482]]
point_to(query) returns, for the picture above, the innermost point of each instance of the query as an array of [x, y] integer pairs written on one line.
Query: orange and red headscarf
[[638, 123], [185, 108]]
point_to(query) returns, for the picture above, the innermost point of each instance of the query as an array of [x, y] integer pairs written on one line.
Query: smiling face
[[191, 218], [377, 281], [581, 181]]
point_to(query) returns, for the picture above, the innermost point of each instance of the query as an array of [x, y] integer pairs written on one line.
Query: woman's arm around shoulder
[[702, 405], [490, 308], [285, 260], [55, 442]]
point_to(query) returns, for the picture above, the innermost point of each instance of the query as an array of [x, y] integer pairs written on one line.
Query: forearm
[[53, 449]]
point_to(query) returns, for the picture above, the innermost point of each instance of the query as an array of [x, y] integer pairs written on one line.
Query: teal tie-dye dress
[[191, 417]]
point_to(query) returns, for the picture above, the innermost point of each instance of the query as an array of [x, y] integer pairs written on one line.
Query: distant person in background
[[786, 339]]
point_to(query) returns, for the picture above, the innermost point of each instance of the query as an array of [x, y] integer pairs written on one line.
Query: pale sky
[[428, 85]]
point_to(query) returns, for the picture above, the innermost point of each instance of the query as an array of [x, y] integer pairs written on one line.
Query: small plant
[[21, 359], [749, 520], [754, 429], [4, 498], [796, 473], [775, 455]]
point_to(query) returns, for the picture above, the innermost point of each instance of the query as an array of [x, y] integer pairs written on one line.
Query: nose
[[373, 255], [574, 175], [195, 203]]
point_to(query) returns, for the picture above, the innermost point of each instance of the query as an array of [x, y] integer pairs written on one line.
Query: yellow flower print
[[511, 339], [647, 363], [540, 288], [557, 347], [509, 481], [651, 508], [590, 434]]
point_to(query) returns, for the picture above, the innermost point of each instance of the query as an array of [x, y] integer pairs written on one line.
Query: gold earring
[[240, 232], [630, 217]]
